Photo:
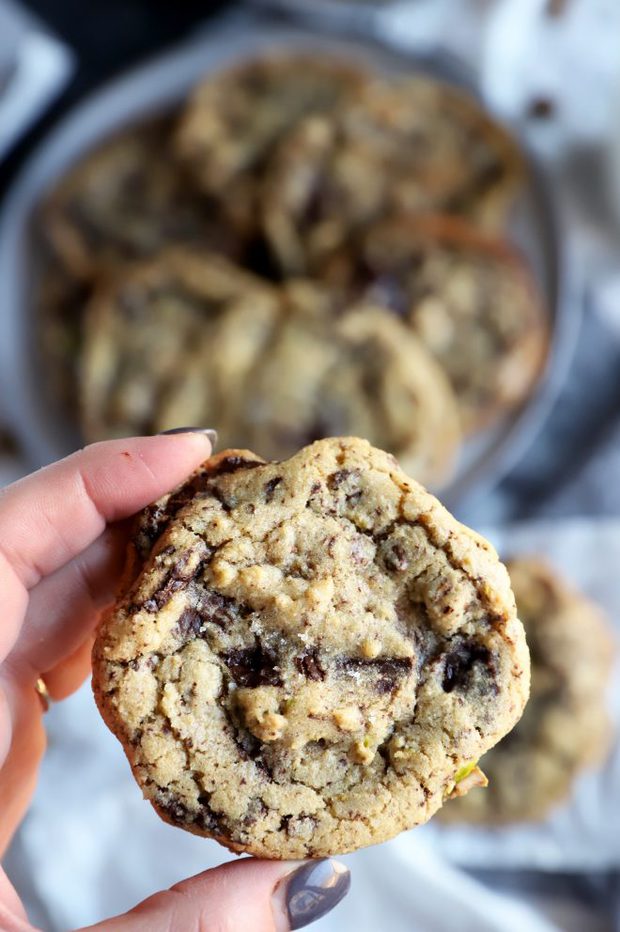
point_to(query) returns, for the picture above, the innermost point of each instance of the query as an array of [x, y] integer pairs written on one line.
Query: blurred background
[[304, 218]]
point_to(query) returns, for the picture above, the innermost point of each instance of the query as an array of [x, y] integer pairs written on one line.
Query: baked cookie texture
[[407, 144], [307, 655], [233, 120], [169, 342], [470, 299], [566, 726], [361, 372], [276, 369], [128, 200]]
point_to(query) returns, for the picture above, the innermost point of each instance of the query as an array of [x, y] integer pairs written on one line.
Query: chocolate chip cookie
[[128, 200], [412, 144], [309, 653], [234, 119], [469, 298], [190, 339], [565, 726], [361, 372], [168, 342]]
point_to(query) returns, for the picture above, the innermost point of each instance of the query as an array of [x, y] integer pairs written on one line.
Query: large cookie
[[234, 119], [127, 200], [413, 145], [169, 342], [566, 726], [311, 653], [469, 298]]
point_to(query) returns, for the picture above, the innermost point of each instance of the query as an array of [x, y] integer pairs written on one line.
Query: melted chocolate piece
[[254, 666], [342, 475], [459, 664], [309, 665], [271, 486], [389, 671], [189, 625], [233, 464], [221, 609], [177, 579]]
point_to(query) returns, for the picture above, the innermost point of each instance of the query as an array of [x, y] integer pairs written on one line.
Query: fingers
[[21, 723], [12, 913], [67, 676], [264, 896], [51, 516], [64, 608]]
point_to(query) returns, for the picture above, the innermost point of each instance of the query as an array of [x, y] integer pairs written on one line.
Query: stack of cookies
[[306, 249]]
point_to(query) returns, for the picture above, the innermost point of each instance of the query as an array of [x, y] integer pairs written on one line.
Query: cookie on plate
[[411, 144], [310, 652], [59, 301], [235, 117], [127, 200], [190, 339], [156, 351], [565, 727], [362, 372], [469, 298]]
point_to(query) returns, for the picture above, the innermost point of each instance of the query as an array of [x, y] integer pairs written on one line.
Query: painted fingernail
[[313, 890], [207, 431]]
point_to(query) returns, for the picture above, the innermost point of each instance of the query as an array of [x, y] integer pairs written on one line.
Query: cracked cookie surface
[[309, 652], [566, 725]]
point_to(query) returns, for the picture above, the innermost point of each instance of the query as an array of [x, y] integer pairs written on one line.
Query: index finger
[[51, 516]]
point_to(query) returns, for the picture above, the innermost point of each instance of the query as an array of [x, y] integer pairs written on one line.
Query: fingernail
[[207, 431], [313, 890]]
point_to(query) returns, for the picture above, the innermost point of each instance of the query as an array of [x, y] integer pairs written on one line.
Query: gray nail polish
[[314, 889], [207, 431]]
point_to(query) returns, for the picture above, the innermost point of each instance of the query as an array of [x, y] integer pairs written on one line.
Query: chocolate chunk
[[342, 475], [459, 664], [220, 609], [256, 810], [233, 464], [174, 808], [208, 819], [178, 578], [309, 664], [188, 625], [389, 671], [271, 486], [348, 479], [254, 666]]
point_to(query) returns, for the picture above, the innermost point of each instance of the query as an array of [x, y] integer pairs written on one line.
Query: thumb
[[264, 896]]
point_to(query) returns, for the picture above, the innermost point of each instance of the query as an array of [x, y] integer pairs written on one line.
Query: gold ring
[[43, 693]]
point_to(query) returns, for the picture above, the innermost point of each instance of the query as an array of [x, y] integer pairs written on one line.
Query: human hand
[[62, 543]]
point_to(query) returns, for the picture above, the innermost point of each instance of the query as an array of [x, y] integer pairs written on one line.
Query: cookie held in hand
[[307, 653]]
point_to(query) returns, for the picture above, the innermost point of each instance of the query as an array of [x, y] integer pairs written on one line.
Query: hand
[[62, 542]]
